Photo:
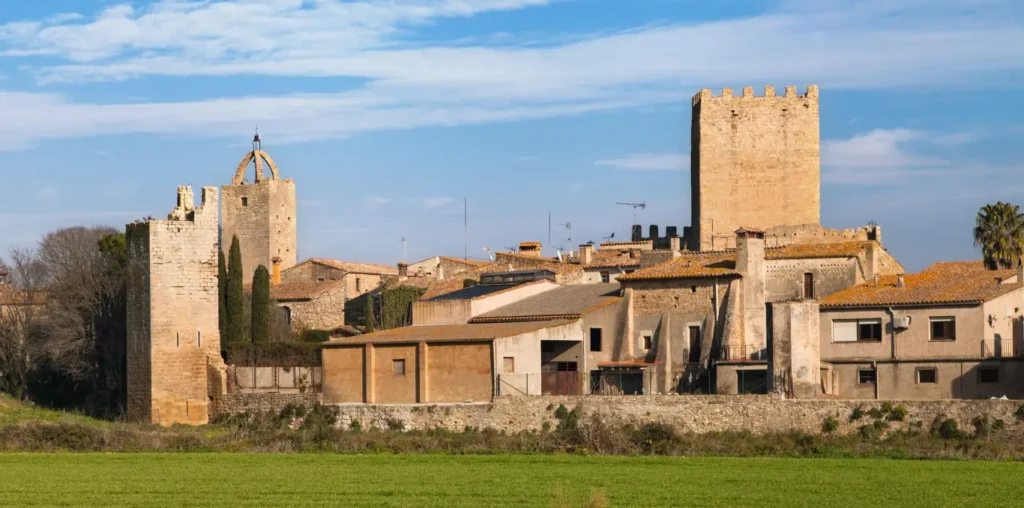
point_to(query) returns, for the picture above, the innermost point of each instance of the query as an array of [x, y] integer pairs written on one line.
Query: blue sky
[[388, 113]]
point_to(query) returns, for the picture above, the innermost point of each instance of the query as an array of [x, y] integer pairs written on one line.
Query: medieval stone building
[[174, 358], [261, 214]]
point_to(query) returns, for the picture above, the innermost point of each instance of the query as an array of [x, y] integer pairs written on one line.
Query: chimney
[[899, 280], [403, 269], [440, 271], [275, 271], [586, 253], [876, 280], [674, 244], [750, 263], [638, 233], [871, 260], [530, 249]]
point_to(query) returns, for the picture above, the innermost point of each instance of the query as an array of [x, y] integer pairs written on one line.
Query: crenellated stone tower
[[174, 358], [261, 213], [754, 163]]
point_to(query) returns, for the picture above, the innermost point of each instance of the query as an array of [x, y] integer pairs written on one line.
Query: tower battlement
[[748, 93]]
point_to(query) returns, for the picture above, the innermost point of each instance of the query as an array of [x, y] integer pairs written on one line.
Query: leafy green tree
[[369, 327], [222, 295], [999, 231], [261, 305], [234, 300]]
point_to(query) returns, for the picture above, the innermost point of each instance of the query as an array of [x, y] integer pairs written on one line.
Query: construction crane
[[641, 205]]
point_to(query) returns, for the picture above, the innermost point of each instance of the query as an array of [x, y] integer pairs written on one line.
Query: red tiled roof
[[941, 283], [351, 267], [447, 333]]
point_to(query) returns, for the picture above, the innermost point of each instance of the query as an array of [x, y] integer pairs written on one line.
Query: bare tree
[[20, 305]]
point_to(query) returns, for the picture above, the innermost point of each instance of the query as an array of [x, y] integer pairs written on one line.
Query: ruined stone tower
[[754, 162], [174, 359], [261, 214]]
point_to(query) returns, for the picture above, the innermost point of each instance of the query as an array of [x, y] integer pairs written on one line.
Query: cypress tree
[[234, 298], [261, 305], [222, 294], [368, 317]]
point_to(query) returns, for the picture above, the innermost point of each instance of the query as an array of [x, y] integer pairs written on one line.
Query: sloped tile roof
[[351, 267], [566, 302], [613, 259], [468, 262], [448, 333], [941, 283]]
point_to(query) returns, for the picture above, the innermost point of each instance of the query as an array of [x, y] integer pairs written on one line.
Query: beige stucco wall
[[1003, 334], [360, 283], [955, 379], [754, 162], [343, 374], [441, 312], [795, 368], [727, 376], [913, 342], [785, 277], [265, 226], [525, 350], [459, 372], [387, 387]]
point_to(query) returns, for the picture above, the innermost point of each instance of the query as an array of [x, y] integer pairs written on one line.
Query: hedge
[[274, 354]]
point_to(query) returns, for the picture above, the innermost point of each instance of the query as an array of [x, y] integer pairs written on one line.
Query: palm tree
[[999, 230]]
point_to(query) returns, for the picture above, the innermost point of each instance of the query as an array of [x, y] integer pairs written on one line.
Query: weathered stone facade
[[263, 216], [754, 163], [240, 402], [174, 361], [686, 413]]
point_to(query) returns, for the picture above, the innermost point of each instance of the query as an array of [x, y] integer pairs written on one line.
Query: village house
[[313, 293]]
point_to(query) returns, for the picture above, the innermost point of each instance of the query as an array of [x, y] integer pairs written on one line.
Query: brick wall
[[699, 414]]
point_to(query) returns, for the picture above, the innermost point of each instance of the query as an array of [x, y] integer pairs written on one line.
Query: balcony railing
[[743, 353], [998, 348]]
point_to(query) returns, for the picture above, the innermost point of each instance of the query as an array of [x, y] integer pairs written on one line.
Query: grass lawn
[[491, 481]]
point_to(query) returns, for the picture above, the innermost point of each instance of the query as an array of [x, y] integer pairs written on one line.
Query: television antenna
[[568, 229], [490, 256], [404, 250], [609, 237], [641, 205], [511, 249]]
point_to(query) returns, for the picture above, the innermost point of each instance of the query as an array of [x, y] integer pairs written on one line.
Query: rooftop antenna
[[609, 237], [404, 256], [511, 249], [256, 143], [568, 228], [490, 255], [641, 205]]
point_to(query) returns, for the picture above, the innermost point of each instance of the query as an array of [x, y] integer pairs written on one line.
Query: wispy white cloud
[[376, 201], [649, 162], [879, 156], [576, 187], [437, 202], [343, 231]]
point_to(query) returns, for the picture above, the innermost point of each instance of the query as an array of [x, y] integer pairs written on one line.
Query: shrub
[[998, 424], [830, 425], [1019, 413], [886, 407], [561, 412], [898, 413], [868, 432], [856, 414], [396, 425], [315, 336], [355, 425], [981, 425], [876, 413], [948, 429], [545, 427], [274, 354]]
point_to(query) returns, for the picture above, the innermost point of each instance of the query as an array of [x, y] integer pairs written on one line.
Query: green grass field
[[491, 481]]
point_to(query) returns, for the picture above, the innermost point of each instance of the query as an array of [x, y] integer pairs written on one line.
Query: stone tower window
[[245, 201]]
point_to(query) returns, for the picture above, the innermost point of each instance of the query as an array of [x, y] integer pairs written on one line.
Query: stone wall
[[755, 163], [263, 216], [694, 413], [237, 403], [174, 359]]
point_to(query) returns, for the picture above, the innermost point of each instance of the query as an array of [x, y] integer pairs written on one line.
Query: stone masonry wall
[[695, 413], [239, 402], [173, 336], [755, 162], [265, 224]]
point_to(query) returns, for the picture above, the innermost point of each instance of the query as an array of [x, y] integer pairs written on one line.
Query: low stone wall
[[240, 402], [699, 414]]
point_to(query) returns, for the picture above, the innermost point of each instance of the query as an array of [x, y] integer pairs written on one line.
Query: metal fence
[[741, 353], [998, 348], [275, 379]]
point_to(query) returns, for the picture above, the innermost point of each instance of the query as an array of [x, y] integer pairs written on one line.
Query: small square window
[[604, 277], [927, 376], [648, 342], [869, 330], [988, 375], [398, 367], [943, 328], [245, 201], [866, 376], [509, 365], [693, 289], [595, 339]]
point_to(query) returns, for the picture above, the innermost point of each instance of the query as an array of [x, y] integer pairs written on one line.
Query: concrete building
[[173, 351], [261, 214], [754, 162], [950, 331]]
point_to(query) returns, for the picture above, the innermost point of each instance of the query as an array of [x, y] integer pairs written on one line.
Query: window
[[943, 328], [199, 338], [398, 367], [866, 376], [988, 375], [245, 201], [595, 339], [695, 341], [358, 284], [693, 289], [287, 315], [857, 330], [808, 285], [604, 277], [648, 341], [927, 375], [508, 365], [177, 339]]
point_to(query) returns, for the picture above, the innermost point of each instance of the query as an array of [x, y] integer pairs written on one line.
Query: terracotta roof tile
[[448, 333], [291, 291], [566, 302], [941, 283], [454, 283], [351, 267], [612, 259], [468, 262]]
